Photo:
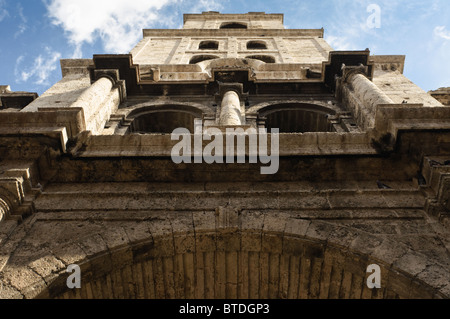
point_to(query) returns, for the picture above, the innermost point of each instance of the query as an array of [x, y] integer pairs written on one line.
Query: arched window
[[264, 58], [162, 122], [256, 45], [233, 25], [164, 118], [297, 121], [200, 58], [297, 118], [209, 45]]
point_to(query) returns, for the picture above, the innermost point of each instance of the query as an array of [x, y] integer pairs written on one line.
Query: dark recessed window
[[233, 25], [256, 45], [162, 122], [297, 117], [201, 58], [264, 58], [298, 121], [209, 45]]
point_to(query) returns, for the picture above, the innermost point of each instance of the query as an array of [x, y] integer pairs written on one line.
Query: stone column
[[367, 92], [230, 113], [94, 96]]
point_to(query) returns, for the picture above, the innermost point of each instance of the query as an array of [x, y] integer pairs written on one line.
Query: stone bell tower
[[87, 175]]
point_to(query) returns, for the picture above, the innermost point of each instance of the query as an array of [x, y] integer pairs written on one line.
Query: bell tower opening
[[233, 25]]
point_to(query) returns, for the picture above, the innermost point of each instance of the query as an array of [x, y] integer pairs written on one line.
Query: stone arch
[[256, 45], [223, 254], [164, 121], [264, 58], [230, 63], [233, 25], [164, 117], [200, 58], [11, 198], [291, 116], [4, 210], [196, 109], [209, 45], [267, 107]]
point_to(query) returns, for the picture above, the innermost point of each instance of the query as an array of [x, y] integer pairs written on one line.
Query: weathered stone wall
[[174, 49], [305, 50], [400, 89], [224, 253], [62, 94], [158, 50]]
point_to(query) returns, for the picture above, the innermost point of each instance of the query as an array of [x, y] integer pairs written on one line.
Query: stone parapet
[[442, 95], [13, 101]]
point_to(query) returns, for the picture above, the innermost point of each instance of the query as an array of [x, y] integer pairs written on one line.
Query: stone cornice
[[234, 33], [213, 15]]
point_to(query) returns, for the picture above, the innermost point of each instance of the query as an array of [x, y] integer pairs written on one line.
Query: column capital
[[236, 87], [349, 71], [114, 76], [110, 74]]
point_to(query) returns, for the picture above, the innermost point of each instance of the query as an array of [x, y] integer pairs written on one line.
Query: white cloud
[[78, 52], [3, 11], [346, 32], [205, 5], [339, 43], [358, 24], [40, 70], [441, 32], [22, 27], [117, 23]]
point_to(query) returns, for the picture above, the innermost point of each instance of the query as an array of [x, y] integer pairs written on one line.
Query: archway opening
[[162, 122], [233, 265], [264, 58], [297, 117], [200, 58], [208, 45], [256, 45], [298, 121], [233, 25]]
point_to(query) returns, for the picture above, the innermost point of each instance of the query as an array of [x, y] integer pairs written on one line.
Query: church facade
[[297, 172]]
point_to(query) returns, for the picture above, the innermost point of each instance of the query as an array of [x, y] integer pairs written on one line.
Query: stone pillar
[[94, 96], [232, 48], [230, 113], [367, 92]]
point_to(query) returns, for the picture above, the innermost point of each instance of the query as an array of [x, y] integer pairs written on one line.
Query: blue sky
[[35, 34]]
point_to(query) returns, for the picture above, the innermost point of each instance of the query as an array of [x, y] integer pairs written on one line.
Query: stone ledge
[[15, 100], [209, 200], [155, 145], [442, 95], [76, 66], [389, 62], [318, 33]]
